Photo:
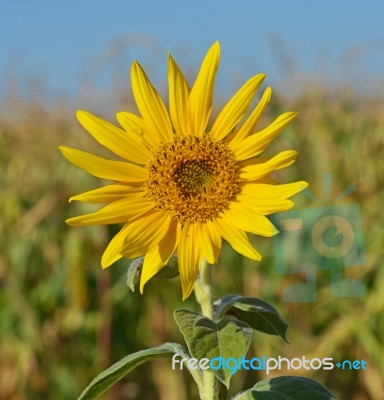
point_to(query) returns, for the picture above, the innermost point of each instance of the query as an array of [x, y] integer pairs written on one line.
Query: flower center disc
[[193, 179]]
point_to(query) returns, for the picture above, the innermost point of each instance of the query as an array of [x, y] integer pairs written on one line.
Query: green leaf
[[169, 271], [114, 373], [225, 339], [257, 313], [134, 272], [287, 388], [243, 395]]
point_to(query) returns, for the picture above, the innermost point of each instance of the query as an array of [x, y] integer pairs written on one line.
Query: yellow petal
[[159, 254], [237, 239], [255, 144], [107, 194], [264, 191], [210, 242], [134, 124], [246, 220], [123, 144], [248, 126], [201, 97], [106, 169], [113, 251], [266, 199], [150, 105], [189, 258], [117, 212], [236, 108], [144, 233], [266, 206], [178, 97], [260, 168]]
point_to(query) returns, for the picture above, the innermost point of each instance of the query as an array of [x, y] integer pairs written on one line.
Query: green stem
[[203, 292], [203, 289]]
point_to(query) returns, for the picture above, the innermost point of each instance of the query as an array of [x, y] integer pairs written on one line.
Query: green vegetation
[[63, 319]]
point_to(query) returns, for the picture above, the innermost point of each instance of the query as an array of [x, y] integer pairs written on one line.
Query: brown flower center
[[193, 178]]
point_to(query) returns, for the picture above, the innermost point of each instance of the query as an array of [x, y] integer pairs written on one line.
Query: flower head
[[184, 184]]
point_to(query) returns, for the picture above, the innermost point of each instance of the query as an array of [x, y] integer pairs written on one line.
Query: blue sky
[[72, 43]]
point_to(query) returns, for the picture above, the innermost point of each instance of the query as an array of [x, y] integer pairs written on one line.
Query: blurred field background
[[63, 319]]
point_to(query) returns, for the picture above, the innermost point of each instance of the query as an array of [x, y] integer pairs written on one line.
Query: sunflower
[[183, 186]]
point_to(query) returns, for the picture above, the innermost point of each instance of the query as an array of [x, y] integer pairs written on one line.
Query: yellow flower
[[182, 185]]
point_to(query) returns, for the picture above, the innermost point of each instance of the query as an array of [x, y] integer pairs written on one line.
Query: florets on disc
[[193, 178]]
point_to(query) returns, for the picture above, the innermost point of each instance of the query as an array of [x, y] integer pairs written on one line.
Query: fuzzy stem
[[203, 292], [203, 289]]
